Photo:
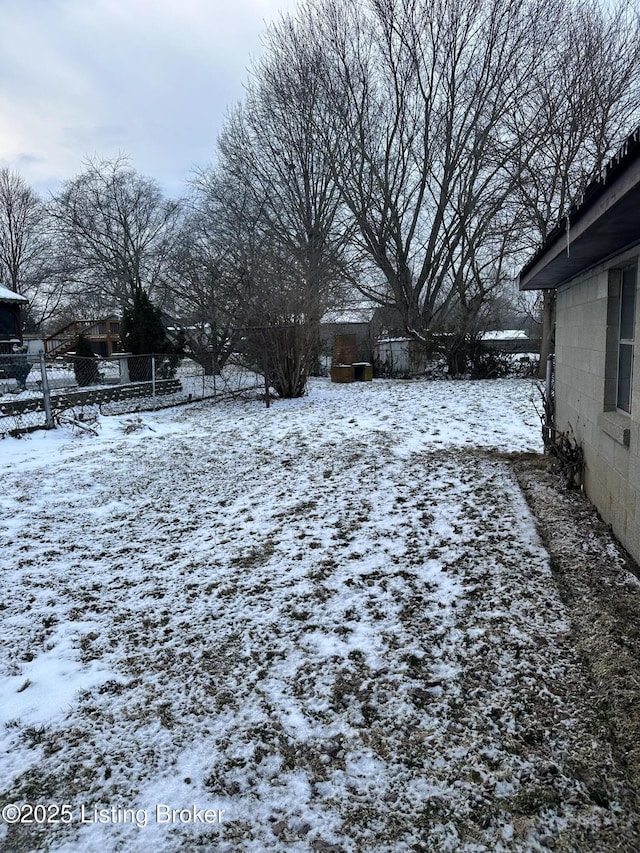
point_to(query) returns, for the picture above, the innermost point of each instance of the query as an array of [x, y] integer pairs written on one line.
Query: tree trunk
[[211, 364]]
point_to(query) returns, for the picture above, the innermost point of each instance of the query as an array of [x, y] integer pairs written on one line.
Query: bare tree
[[584, 99], [421, 100], [28, 259], [204, 283], [258, 288], [118, 228], [279, 207], [581, 106], [455, 130], [290, 163]]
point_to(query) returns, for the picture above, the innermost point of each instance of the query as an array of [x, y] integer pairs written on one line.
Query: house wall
[[584, 366]]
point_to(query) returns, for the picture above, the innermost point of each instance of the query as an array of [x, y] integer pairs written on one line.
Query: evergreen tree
[[143, 333], [85, 366], [142, 330]]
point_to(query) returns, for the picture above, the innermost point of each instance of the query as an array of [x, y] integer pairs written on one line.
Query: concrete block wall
[[610, 439], [580, 349]]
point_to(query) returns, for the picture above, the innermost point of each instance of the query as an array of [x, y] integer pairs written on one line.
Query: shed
[[11, 304], [353, 320]]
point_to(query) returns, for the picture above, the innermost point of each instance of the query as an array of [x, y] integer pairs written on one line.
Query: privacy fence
[[36, 393]]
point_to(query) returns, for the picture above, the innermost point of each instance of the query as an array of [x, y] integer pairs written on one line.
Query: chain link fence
[[37, 394]]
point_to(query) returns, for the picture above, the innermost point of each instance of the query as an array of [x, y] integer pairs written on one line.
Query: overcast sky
[[149, 78]]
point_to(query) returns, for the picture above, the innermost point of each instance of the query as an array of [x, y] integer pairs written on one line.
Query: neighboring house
[[511, 341], [103, 335], [593, 261], [11, 304]]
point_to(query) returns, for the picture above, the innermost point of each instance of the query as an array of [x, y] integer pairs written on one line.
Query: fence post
[[123, 362], [45, 393], [153, 378]]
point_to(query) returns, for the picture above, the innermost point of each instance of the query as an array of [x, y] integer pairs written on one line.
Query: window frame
[[626, 317]]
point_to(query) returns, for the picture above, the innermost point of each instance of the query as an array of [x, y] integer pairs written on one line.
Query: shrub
[[468, 356], [85, 365], [143, 334]]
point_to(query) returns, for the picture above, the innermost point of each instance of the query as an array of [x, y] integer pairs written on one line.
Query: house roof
[[7, 295], [505, 335], [605, 223]]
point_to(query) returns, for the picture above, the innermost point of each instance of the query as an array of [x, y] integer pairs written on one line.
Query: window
[[626, 325]]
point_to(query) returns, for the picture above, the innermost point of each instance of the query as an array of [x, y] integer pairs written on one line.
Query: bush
[[85, 365], [284, 354], [143, 334], [473, 358]]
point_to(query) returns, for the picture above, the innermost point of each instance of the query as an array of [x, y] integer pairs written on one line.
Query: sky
[[151, 79]]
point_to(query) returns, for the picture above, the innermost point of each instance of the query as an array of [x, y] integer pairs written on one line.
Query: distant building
[[355, 320], [103, 335], [511, 341]]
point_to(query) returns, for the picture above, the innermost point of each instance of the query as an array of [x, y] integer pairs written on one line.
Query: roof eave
[[597, 231]]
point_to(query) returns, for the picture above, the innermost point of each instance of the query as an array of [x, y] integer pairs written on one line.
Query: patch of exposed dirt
[[598, 582]]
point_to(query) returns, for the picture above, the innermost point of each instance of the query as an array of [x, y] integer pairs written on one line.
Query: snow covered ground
[[327, 625]]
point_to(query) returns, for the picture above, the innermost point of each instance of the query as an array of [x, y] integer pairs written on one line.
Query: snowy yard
[[329, 625]]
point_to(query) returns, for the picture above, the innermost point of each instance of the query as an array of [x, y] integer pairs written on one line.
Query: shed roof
[[605, 223], [7, 295], [360, 313]]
